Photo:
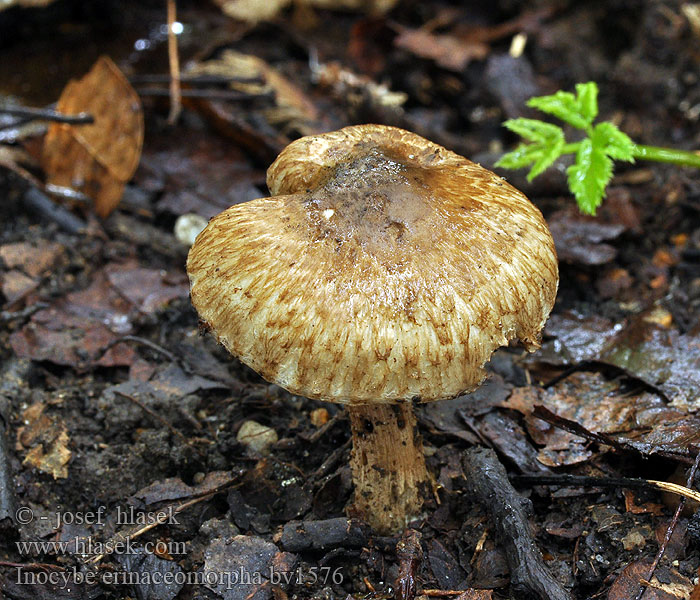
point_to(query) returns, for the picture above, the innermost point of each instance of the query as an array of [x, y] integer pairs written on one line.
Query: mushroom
[[382, 271]]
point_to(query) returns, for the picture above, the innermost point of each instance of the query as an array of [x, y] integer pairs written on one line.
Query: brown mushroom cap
[[383, 268]]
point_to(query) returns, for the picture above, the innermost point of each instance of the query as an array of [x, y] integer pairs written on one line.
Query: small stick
[[669, 531], [42, 114], [162, 517], [25, 313], [325, 428], [174, 64], [144, 342], [616, 482], [42, 204], [152, 413], [40, 566], [194, 79], [410, 555], [207, 94], [487, 482]]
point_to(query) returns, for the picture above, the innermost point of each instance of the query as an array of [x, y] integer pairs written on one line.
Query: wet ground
[[117, 411]]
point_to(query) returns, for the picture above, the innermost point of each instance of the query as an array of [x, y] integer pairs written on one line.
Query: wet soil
[[115, 406]]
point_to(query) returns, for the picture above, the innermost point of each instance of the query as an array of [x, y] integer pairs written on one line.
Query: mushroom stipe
[[381, 269]]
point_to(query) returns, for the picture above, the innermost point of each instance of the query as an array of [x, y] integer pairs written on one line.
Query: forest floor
[[115, 408]]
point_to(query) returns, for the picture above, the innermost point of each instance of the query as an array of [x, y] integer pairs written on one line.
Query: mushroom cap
[[383, 268]]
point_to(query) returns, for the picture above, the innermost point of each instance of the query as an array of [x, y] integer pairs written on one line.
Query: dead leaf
[[24, 3], [174, 489], [96, 159], [146, 289], [47, 440], [586, 398], [446, 50], [656, 355], [288, 96], [629, 582], [16, 285], [357, 90], [580, 239], [34, 259], [632, 506], [252, 11]]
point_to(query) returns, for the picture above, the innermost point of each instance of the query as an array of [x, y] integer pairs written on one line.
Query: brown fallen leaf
[[446, 50], [24, 3], [252, 11], [629, 582], [357, 90], [632, 506], [147, 289], [15, 285], [47, 440], [291, 105], [96, 159], [465, 42], [33, 258], [580, 239]]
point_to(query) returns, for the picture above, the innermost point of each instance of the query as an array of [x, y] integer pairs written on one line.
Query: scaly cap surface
[[383, 268]]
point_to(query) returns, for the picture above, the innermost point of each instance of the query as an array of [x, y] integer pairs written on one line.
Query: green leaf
[[564, 106], [589, 176], [587, 99], [547, 143], [616, 145], [534, 130], [523, 156], [548, 154]]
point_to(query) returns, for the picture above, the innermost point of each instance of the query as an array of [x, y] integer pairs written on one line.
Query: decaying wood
[[410, 555], [299, 536], [12, 378], [487, 483]]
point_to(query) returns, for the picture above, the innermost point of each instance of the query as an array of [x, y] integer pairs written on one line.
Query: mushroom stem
[[388, 466]]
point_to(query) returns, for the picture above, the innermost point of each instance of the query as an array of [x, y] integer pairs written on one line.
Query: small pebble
[[319, 416], [257, 438], [187, 228]]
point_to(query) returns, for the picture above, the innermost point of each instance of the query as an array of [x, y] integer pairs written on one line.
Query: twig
[[31, 114], [40, 566], [42, 204], [174, 64], [25, 313], [616, 482], [152, 413], [669, 531], [508, 512], [194, 80], [162, 516], [330, 462], [410, 555], [326, 427], [144, 342], [206, 94]]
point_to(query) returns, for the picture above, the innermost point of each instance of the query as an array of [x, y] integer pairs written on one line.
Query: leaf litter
[[146, 397]]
